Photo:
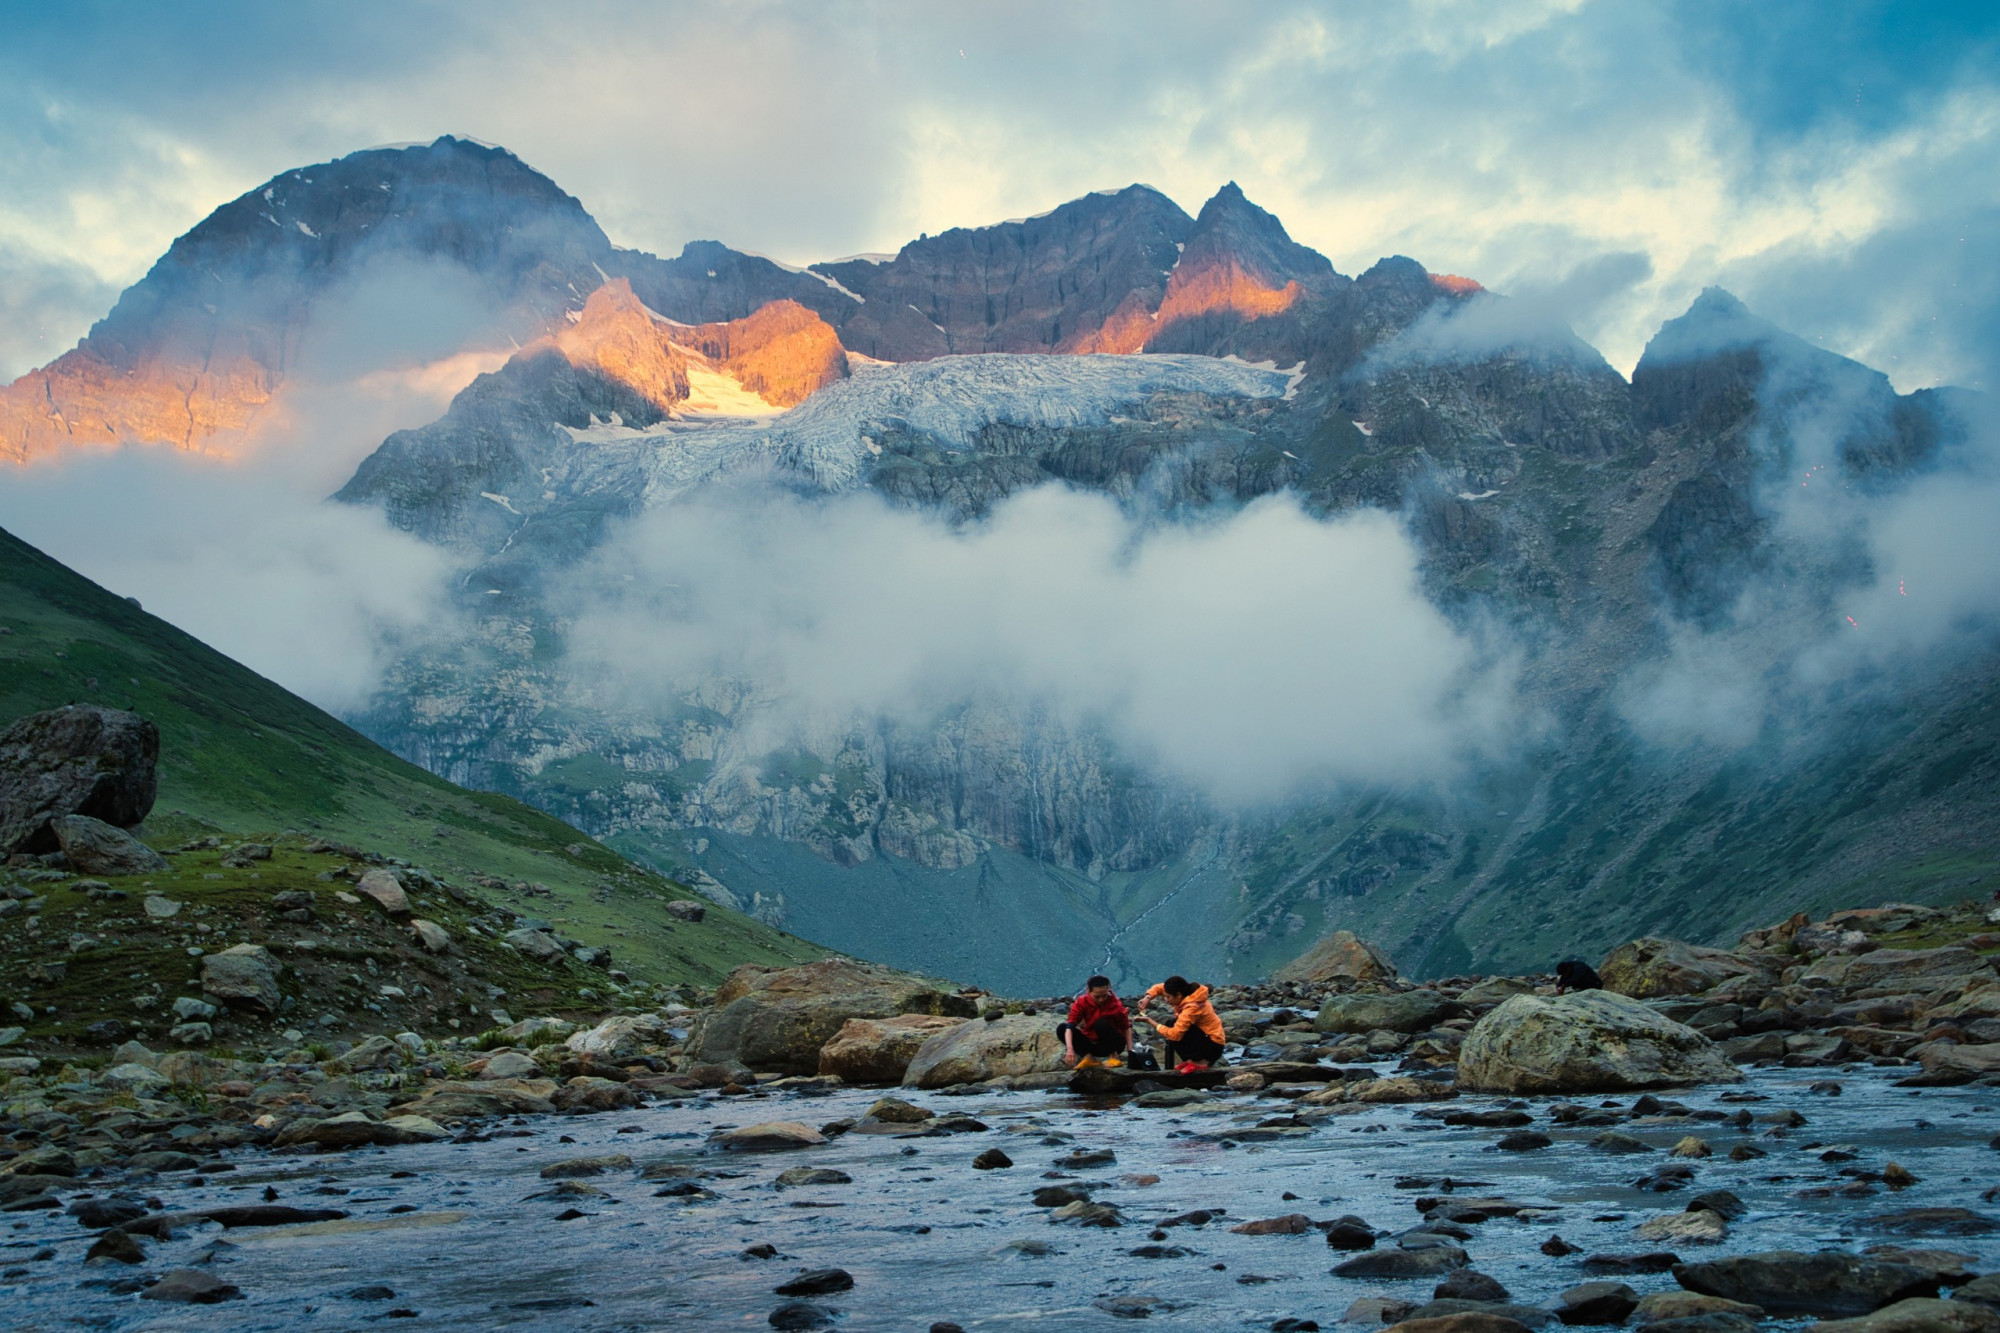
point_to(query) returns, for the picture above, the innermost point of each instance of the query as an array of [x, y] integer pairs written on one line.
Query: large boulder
[[244, 975], [382, 888], [80, 760], [1341, 954], [1411, 1011], [778, 1019], [1919, 1315], [981, 1049], [1920, 970], [1654, 966], [1789, 1282], [879, 1050], [1588, 1041], [94, 847]]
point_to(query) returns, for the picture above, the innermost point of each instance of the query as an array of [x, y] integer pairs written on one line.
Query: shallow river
[[457, 1234]]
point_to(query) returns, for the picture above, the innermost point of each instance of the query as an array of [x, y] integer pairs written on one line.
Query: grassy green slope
[[241, 755]]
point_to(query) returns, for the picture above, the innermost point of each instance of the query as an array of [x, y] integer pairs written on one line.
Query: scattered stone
[[992, 1160], [1469, 1284], [244, 974], [577, 1168], [114, 1246], [817, 1282], [94, 847], [431, 935], [794, 1315], [1526, 1140], [382, 888], [1597, 1303], [771, 1136], [160, 908], [1933, 1222], [1350, 1233], [190, 1286], [686, 909], [1692, 1147], [1395, 1263], [1699, 1227], [1291, 1224]]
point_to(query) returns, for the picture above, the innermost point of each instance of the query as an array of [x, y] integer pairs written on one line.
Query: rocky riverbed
[[1112, 1209]]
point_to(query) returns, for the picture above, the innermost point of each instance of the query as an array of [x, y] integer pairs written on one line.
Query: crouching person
[[1194, 1039], [1099, 1029]]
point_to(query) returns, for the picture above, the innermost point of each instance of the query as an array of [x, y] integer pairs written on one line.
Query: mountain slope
[[241, 755]]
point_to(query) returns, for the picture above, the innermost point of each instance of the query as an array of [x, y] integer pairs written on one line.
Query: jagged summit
[[202, 343]]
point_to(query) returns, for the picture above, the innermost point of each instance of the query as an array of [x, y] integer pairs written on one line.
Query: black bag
[[1143, 1059]]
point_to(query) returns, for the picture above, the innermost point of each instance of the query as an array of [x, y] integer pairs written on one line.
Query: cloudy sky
[[1837, 166]]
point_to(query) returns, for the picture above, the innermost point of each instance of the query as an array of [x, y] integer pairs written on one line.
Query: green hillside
[[242, 758]]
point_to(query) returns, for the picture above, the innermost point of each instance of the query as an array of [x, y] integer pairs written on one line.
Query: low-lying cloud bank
[[1250, 654], [252, 562]]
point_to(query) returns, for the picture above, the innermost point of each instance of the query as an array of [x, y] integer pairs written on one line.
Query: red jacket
[[1101, 1018]]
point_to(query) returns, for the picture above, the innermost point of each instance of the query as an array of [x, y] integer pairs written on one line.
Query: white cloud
[[1250, 654]]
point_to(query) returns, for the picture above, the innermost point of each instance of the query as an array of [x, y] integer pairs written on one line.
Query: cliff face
[[199, 347]]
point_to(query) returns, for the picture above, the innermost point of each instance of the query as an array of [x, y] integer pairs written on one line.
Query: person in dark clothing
[[1099, 1027], [1575, 974]]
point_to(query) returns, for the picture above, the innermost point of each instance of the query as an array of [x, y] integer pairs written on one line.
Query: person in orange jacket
[[1194, 1039]]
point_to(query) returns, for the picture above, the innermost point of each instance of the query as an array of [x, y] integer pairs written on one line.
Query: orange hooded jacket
[[1190, 1011]]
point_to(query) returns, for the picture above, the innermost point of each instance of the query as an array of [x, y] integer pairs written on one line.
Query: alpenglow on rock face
[[1590, 1041]]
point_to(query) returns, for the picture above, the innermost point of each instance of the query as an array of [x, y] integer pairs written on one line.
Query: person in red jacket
[[1194, 1039], [1099, 1028]]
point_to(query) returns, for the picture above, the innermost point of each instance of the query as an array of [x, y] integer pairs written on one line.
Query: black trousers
[[1087, 1044], [1194, 1045]]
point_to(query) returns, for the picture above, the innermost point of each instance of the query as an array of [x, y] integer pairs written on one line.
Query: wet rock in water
[[1696, 1227], [1018, 1044], [1086, 1214], [245, 974], [1932, 1222], [1469, 1284], [1527, 1316], [97, 848], [1460, 1323], [1501, 1119], [1655, 966], [1558, 1248], [1587, 1041], [1692, 1146], [1919, 1315], [793, 1315], [1166, 1099], [370, 1294], [1160, 1252], [1657, 1261], [1339, 954], [1294, 1325], [810, 1175], [1527, 1140], [1369, 1311], [762, 1250], [1660, 1306], [1086, 1157], [779, 1019], [190, 1286], [1614, 1142], [879, 1050], [1409, 1012], [1597, 1303], [1722, 1203], [1787, 1282], [115, 1246], [1291, 1224], [577, 1168], [1350, 1233], [1055, 1196], [79, 760], [1248, 1080], [588, 1093], [268, 1215], [896, 1111], [1720, 1322], [1897, 1176], [992, 1160], [100, 1214], [817, 1282], [1393, 1263], [770, 1136]]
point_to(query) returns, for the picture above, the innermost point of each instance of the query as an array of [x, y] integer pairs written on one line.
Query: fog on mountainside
[[1014, 661]]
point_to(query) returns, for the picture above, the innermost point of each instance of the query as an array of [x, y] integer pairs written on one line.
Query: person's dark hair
[[1177, 986], [1095, 982]]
